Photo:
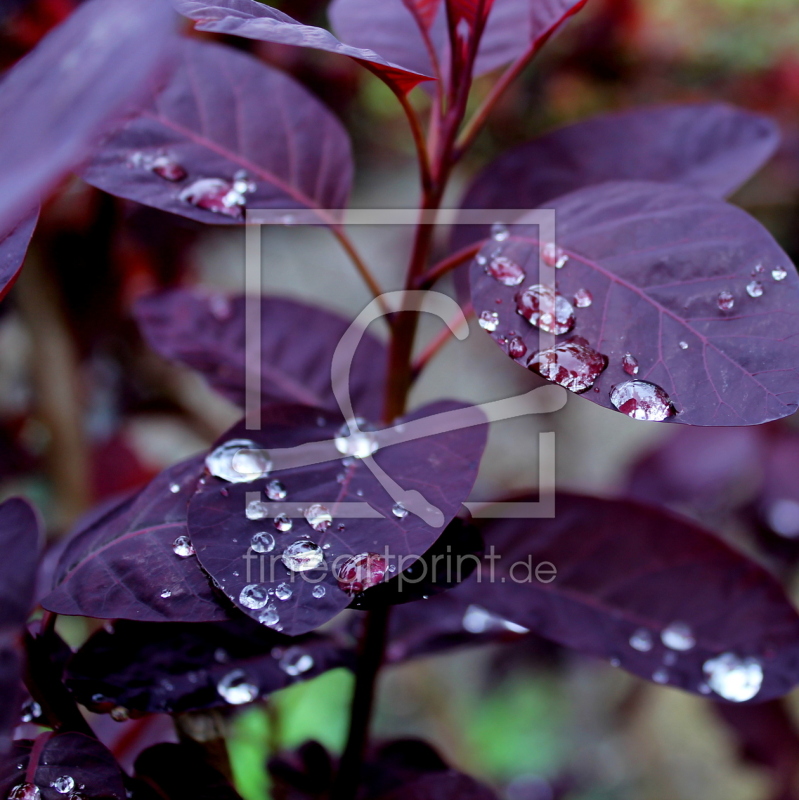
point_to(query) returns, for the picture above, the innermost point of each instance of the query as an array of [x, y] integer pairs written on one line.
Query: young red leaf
[[650, 591], [71, 89], [246, 549], [254, 20], [691, 301], [136, 561], [206, 331], [227, 132], [176, 667], [13, 247], [59, 765]]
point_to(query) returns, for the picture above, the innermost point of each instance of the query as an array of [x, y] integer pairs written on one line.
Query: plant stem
[[370, 659], [435, 345], [419, 141], [449, 263]]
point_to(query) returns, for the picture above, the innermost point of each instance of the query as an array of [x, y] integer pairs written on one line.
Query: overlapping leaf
[[256, 21], [13, 247], [442, 467], [654, 593], [207, 332], [123, 565], [93, 771], [221, 113], [175, 667], [71, 89], [657, 262]]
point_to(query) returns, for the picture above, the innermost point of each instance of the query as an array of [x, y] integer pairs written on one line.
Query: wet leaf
[[207, 130]]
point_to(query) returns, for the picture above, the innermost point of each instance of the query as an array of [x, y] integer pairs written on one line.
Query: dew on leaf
[[499, 232], [165, 593], [63, 785], [754, 289], [516, 347], [235, 688], [573, 365], [238, 461], [303, 555], [182, 547], [683, 345], [25, 791], [295, 661], [31, 711], [725, 301], [354, 441], [262, 542], [256, 509], [477, 619], [253, 596], [733, 678], [318, 591], [488, 320], [553, 256], [545, 308], [779, 274], [399, 511], [283, 591], [678, 636], [642, 400], [505, 271], [174, 488], [641, 640], [629, 364], [276, 491], [318, 517], [215, 195], [283, 523], [583, 298], [361, 572]]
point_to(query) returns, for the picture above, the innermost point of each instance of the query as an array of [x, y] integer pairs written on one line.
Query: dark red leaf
[[13, 247], [93, 771], [441, 786], [206, 331], [175, 667], [124, 566], [71, 89], [712, 147], [256, 21], [697, 292], [19, 543], [204, 126], [627, 576], [442, 467]]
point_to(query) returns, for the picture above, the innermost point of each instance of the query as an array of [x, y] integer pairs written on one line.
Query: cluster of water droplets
[[219, 195], [238, 461], [734, 678]]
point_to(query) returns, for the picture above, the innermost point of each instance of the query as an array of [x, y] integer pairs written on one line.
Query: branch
[[449, 263], [437, 343]]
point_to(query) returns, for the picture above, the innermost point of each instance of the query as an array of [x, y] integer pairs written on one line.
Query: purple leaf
[[449, 785], [71, 89], [712, 147], [651, 591], [206, 331], [19, 542], [124, 565], [442, 467], [256, 21], [13, 247], [691, 294], [221, 115], [175, 667], [66, 760]]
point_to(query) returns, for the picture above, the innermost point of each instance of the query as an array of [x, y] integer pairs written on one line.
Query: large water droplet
[[779, 274], [295, 661], [516, 347], [573, 365], [182, 547], [629, 364], [235, 688], [399, 511], [283, 591], [257, 509], [318, 591], [359, 444], [318, 517], [216, 195], [283, 523], [477, 619], [276, 491], [238, 461], [545, 308], [269, 617], [754, 289], [678, 636], [303, 555], [25, 791], [507, 272], [641, 640], [499, 233], [488, 320], [642, 400], [583, 298], [254, 596], [736, 679], [783, 517], [63, 785], [163, 165], [553, 256], [361, 572], [262, 542], [725, 301]]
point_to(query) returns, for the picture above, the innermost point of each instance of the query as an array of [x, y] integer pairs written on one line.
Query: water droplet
[[303, 555], [725, 301], [488, 320], [253, 596], [629, 363], [572, 365], [220, 655], [119, 714], [238, 461], [361, 572], [295, 661], [269, 617], [499, 232], [318, 517], [553, 256], [736, 679], [216, 195], [754, 289], [182, 547], [477, 619], [163, 165], [779, 274], [783, 517], [359, 444], [256, 509], [660, 676], [641, 640], [545, 308], [283, 591], [25, 791], [283, 523], [276, 491], [235, 688], [63, 785], [678, 636], [166, 593], [399, 511], [642, 400], [262, 542], [516, 347], [507, 272], [583, 298], [174, 488], [318, 591], [31, 711]]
